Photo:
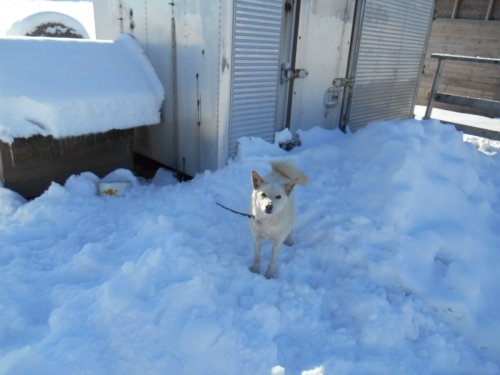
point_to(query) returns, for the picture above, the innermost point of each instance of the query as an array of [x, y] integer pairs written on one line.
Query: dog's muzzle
[[269, 208]]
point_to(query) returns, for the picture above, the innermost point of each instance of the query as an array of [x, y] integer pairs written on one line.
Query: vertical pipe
[[175, 89], [489, 10], [455, 9], [435, 84]]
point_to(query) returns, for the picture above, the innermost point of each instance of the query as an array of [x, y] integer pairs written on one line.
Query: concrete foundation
[[29, 166]]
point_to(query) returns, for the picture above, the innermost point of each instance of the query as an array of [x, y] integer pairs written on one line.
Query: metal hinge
[[287, 73]]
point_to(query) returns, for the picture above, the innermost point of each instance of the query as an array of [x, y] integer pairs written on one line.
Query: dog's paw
[[255, 268], [270, 273]]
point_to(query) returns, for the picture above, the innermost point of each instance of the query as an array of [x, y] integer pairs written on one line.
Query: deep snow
[[394, 269]]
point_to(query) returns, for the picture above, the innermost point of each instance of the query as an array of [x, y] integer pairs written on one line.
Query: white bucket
[[114, 189]]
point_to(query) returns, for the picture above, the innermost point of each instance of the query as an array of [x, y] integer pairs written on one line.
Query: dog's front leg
[[270, 273], [255, 268]]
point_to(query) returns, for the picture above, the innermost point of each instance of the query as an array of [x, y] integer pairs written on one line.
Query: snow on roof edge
[[129, 41], [71, 87]]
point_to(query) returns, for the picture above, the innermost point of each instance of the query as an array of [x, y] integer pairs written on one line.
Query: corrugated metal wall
[[391, 47], [256, 69]]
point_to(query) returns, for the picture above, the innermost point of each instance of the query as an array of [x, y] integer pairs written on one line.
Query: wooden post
[[435, 84]]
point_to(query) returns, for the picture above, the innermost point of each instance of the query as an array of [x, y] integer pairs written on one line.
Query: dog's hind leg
[[255, 268], [270, 273]]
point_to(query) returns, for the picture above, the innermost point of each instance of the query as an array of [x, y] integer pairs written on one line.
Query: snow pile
[[487, 146], [453, 117], [394, 267], [70, 87]]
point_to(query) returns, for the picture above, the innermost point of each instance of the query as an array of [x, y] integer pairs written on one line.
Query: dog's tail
[[289, 171]]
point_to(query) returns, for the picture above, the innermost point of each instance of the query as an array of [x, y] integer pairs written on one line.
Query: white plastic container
[[114, 189]]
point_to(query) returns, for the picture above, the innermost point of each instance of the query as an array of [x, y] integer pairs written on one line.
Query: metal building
[[234, 68]]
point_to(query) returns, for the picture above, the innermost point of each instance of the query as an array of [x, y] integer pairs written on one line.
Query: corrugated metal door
[[256, 69], [391, 39]]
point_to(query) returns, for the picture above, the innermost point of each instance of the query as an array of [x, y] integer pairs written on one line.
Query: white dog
[[273, 210]]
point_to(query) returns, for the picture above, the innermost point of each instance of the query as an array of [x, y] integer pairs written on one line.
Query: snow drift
[[394, 268]]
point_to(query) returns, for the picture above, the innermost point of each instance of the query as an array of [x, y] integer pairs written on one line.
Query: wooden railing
[[491, 106]]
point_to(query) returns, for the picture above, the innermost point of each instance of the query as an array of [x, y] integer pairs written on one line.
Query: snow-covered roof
[[71, 87]]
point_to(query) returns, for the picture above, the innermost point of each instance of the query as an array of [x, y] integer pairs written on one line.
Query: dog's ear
[[256, 180], [289, 186]]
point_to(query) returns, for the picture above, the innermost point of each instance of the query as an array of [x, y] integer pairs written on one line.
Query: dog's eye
[[278, 196], [263, 195]]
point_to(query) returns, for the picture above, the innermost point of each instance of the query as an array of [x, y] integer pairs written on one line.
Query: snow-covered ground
[[394, 269], [453, 117]]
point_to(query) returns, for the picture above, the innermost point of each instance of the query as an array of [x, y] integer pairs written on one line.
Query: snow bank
[[69, 87], [394, 267]]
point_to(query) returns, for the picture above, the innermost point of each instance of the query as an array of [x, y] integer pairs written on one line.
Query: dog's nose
[[269, 208]]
